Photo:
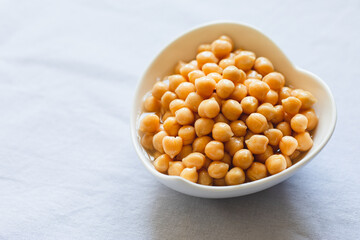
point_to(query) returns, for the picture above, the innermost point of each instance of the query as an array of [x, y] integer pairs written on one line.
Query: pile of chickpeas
[[226, 118]]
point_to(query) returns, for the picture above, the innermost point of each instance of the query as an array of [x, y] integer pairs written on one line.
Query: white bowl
[[249, 38]]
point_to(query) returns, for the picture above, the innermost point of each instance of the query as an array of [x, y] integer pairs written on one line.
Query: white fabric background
[[68, 170]]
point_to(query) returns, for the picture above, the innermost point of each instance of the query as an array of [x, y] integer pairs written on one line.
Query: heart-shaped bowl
[[249, 38]]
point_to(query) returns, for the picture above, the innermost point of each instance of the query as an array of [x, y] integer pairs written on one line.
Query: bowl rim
[[272, 178]]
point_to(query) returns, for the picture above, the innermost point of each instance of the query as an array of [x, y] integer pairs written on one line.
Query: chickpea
[[167, 98], [178, 66], [239, 92], [203, 126], [245, 60], [146, 141], [187, 133], [234, 144], [206, 57], [306, 98], [190, 174], [267, 110], [285, 128], [256, 171], [235, 176], [219, 182], [288, 161], [288, 117], [279, 114], [227, 159], [257, 144], [295, 154], [263, 66], [161, 163], [221, 48], [157, 141], [175, 105], [243, 159], [227, 38], [291, 105], [204, 47], [195, 159], [208, 68], [214, 150], [171, 126], [238, 127], [231, 109], [256, 122], [186, 69], [221, 118], [288, 145], [151, 104], [185, 151], [262, 157], [299, 123], [275, 164], [224, 63], [172, 145], [193, 75], [271, 97], [253, 74], [259, 90], [224, 88], [218, 169], [284, 93], [249, 104], [275, 80], [184, 116], [174, 81], [304, 140], [204, 178], [150, 123], [175, 168], [209, 108], [312, 119], [200, 143], [205, 86], [234, 74], [159, 89], [248, 81], [184, 89], [274, 136], [193, 101]]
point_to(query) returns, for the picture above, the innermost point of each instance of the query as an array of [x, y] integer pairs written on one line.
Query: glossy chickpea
[[275, 80], [243, 159], [150, 123], [234, 74], [184, 116], [193, 101], [190, 174], [221, 118], [218, 169], [253, 74], [262, 157], [216, 76], [186, 69], [221, 48], [234, 144], [209, 108], [166, 115], [245, 60], [285, 128], [299, 123], [231, 109], [161, 163], [271, 97], [239, 93], [184, 89], [224, 88], [195, 159], [167, 98], [214, 150], [312, 119], [159, 89], [288, 161], [208, 68], [178, 66], [291, 105], [200, 143], [204, 47], [157, 141], [171, 126], [279, 114], [275, 164], [204, 178], [258, 89], [193, 75], [175, 168], [146, 141], [185, 151], [257, 144], [267, 110], [187, 133], [294, 155], [274, 136], [175, 105], [306, 98], [304, 140], [194, 63], [257, 123], [226, 62], [235, 176], [263, 66], [248, 81], [174, 81], [206, 57], [219, 182], [227, 38], [151, 104], [222, 132], [284, 93], [249, 104], [205, 86], [227, 159], [239, 128], [256, 171], [288, 145], [172, 145], [203, 126]]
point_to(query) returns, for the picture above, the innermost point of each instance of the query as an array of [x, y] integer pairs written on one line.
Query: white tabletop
[[68, 170]]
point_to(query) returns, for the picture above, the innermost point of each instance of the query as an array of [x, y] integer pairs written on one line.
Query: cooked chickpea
[[204, 47], [214, 150], [256, 171], [253, 74], [193, 101], [186, 69], [239, 92], [218, 169], [227, 158], [275, 80], [263, 66], [178, 66], [224, 88], [256, 122], [312, 119], [274, 136], [209, 108], [224, 63], [206, 57], [175, 105], [262, 157], [157, 141], [167, 98], [285, 128], [151, 104], [245, 60], [146, 141], [193, 75], [239, 128], [234, 74], [227, 38], [294, 155], [267, 110], [279, 114], [171, 126], [150, 123], [184, 116], [185, 151], [288, 145], [306, 98], [204, 178], [243, 159], [299, 123], [257, 144], [288, 161], [175, 168], [219, 182], [174, 81], [275, 164], [159, 89], [249, 104], [284, 93], [304, 140], [258, 89], [187, 133], [271, 97], [231, 109], [221, 118], [234, 144], [208, 68], [195, 159], [172, 145], [291, 105], [200, 143], [221, 48], [248, 81], [184, 89], [161, 163], [216, 76], [190, 174], [235, 176], [205, 86], [203, 126]]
